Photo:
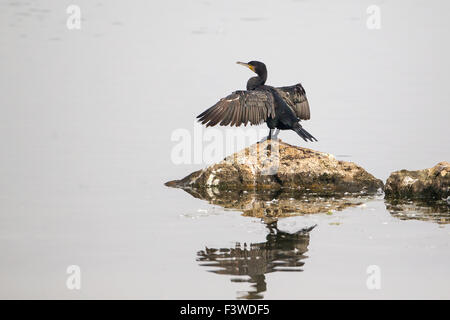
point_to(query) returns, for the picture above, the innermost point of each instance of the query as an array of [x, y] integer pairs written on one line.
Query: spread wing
[[295, 96], [240, 107]]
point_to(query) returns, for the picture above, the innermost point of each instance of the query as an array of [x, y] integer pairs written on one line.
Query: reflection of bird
[[281, 252], [281, 108]]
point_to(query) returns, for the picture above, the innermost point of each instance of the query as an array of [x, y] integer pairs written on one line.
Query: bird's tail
[[303, 133]]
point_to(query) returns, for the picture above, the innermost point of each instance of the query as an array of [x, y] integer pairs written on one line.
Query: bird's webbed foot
[[269, 137], [262, 140]]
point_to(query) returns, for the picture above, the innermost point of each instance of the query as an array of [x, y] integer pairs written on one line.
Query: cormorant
[[281, 108]]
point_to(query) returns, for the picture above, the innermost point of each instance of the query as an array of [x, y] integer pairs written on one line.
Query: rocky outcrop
[[429, 184], [277, 165]]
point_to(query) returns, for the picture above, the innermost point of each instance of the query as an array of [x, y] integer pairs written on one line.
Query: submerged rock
[[277, 204], [432, 183], [277, 165], [435, 211]]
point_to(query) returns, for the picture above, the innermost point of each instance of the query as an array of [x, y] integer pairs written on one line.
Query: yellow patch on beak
[[247, 65]]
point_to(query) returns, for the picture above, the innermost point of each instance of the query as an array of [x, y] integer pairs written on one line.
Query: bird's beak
[[246, 65]]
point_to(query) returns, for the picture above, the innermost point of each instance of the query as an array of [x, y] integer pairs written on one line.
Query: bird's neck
[[255, 82], [262, 75]]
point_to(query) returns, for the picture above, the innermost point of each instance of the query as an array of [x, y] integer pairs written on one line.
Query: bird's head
[[257, 67]]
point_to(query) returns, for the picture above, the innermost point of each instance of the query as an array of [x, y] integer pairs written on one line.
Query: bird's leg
[[269, 138], [275, 135]]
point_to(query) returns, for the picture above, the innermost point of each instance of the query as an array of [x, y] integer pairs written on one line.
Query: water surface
[[85, 137]]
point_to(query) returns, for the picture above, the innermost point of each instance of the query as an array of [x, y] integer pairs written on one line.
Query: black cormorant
[[281, 108]]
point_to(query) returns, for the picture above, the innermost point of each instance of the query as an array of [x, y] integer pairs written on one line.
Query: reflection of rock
[[276, 165], [436, 211], [281, 252], [433, 183], [279, 203]]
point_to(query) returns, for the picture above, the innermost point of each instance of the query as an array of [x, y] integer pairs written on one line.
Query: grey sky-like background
[[86, 115], [141, 70]]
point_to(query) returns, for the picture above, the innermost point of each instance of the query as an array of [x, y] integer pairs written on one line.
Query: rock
[[432, 183], [277, 165]]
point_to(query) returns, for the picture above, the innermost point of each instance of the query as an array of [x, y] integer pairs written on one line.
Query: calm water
[[86, 123]]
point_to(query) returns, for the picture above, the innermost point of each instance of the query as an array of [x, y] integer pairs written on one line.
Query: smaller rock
[[430, 184]]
